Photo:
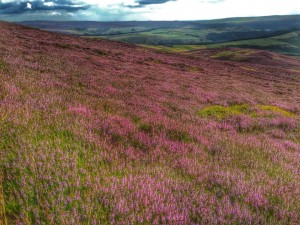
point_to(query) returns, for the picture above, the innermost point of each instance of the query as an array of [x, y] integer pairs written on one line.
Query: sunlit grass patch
[[276, 109], [231, 55], [221, 112], [3, 116], [224, 54], [249, 159], [175, 48], [234, 55], [62, 150]]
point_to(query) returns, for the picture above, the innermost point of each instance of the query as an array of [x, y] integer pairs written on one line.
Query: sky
[[117, 10]]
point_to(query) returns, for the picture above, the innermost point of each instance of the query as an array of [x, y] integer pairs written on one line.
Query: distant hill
[[207, 33], [103, 132]]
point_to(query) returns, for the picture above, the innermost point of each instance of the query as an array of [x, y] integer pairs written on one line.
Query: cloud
[[21, 6], [116, 10], [29, 6], [143, 3], [212, 1]]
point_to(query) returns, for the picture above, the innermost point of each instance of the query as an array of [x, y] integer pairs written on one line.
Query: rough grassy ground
[[99, 132]]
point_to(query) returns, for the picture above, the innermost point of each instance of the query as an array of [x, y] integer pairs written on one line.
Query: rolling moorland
[[104, 132], [276, 33]]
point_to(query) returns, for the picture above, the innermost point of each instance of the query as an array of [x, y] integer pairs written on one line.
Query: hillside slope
[[101, 132]]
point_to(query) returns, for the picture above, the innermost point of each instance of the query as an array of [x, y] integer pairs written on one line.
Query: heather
[[100, 132]]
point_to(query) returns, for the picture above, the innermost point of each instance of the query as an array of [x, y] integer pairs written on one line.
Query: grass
[[175, 48], [285, 44], [177, 135], [278, 44], [221, 112], [3, 219], [4, 67], [238, 56], [276, 109], [147, 128]]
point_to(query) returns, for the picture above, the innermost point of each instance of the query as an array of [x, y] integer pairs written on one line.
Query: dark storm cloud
[[143, 3], [19, 7]]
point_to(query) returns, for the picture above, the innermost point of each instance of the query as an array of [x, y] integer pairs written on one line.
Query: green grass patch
[[223, 55], [221, 112], [276, 109], [232, 55], [147, 128], [175, 48], [177, 135]]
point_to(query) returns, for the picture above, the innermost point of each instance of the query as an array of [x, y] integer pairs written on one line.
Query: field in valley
[[275, 33]]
